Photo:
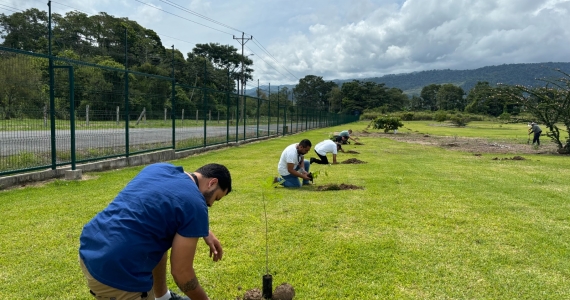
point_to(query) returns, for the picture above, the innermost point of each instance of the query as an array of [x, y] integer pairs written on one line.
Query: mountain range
[[528, 74]]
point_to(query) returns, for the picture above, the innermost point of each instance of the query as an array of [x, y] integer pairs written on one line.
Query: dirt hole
[[513, 158], [358, 143], [338, 187], [352, 152], [353, 161]]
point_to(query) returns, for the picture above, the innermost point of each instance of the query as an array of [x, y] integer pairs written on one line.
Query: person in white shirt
[[293, 165], [324, 147]]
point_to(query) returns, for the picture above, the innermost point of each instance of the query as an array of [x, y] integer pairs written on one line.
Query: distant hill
[[510, 74]]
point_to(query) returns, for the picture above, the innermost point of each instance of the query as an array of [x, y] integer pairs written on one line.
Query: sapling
[[267, 279]]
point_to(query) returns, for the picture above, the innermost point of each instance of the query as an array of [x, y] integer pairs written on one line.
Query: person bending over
[[537, 132], [324, 147], [123, 249]]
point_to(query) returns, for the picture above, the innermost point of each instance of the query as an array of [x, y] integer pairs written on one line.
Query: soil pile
[[353, 161], [338, 187], [352, 152], [253, 294], [284, 292]]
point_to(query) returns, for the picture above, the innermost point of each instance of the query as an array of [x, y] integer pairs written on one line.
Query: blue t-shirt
[[123, 243]]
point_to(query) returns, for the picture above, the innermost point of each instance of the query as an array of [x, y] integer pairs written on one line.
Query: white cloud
[[361, 38]]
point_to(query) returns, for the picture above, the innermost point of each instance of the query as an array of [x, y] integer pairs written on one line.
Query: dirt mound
[[253, 294], [353, 161], [513, 158], [352, 152], [358, 143], [338, 187], [284, 292]]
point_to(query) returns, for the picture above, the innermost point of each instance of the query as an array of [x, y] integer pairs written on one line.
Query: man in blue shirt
[[123, 249]]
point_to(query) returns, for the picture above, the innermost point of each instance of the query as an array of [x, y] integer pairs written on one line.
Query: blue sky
[[351, 39]]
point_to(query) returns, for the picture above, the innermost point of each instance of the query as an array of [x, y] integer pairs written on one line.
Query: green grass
[[430, 224]]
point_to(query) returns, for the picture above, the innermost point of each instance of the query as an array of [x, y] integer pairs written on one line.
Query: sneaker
[[312, 160], [174, 296], [276, 179]]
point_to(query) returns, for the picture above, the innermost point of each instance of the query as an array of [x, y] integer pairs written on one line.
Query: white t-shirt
[[326, 146], [289, 156]]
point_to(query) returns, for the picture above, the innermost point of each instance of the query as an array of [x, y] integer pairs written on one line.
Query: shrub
[[440, 116], [387, 123], [408, 116], [459, 120]]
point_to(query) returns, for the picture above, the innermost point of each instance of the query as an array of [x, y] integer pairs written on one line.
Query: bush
[[408, 116], [387, 123], [459, 120], [440, 116]]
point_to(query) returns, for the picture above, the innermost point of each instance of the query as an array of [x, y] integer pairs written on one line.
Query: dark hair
[[305, 143], [338, 146], [220, 172]]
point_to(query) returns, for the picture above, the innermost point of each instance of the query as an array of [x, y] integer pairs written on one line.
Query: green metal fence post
[[269, 111], [51, 95], [173, 102], [278, 109], [204, 100], [228, 109], [127, 106], [72, 116]]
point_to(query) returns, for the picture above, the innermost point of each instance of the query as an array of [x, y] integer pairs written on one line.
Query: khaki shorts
[[105, 292]]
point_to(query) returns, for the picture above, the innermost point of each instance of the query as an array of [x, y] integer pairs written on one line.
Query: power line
[[199, 15], [182, 17], [273, 57], [10, 8]]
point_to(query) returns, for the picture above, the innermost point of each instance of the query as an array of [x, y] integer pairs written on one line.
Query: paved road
[[38, 141]]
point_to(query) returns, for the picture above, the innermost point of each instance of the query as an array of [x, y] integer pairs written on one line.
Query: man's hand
[[216, 251]]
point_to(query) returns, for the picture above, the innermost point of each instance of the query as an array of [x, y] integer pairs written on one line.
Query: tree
[[225, 57], [428, 94], [313, 91], [25, 30], [450, 97], [550, 105], [484, 99]]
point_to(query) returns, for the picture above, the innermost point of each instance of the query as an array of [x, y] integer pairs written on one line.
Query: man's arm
[[182, 267], [292, 171], [334, 159]]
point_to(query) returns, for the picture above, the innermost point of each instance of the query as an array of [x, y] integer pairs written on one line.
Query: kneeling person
[[324, 147]]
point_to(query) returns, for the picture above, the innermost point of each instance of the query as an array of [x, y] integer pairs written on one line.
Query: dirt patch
[[338, 187], [358, 143], [353, 161], [253, 294], [352, 152], [513, 158], [473, 145], [284, 291]]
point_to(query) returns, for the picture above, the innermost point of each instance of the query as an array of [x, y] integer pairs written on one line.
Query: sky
[[354, 39]]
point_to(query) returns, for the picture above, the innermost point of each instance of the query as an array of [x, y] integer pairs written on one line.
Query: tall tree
[[428, 96], [450, 97], [25, 30], [313, 91]]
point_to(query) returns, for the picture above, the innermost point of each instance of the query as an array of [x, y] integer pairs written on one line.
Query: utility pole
[[242, 42]]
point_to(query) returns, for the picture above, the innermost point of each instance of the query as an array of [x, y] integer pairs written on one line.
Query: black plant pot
[[267, 292]]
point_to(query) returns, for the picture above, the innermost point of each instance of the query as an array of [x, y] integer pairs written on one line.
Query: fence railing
[[59, 112]]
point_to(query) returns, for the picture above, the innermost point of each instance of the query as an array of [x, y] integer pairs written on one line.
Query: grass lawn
[[429, 224]]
